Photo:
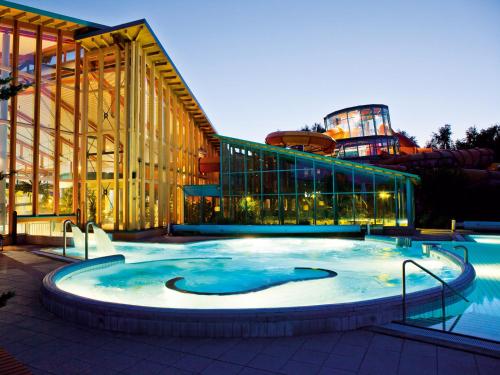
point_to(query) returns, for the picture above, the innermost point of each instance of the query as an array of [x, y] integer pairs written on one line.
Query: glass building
[[263, 184], [362, 132], [108, 131]]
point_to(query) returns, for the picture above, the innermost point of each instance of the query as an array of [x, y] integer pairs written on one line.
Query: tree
[[317, 128], [442, 139], [410, 137], [8, 89], [484, 138]]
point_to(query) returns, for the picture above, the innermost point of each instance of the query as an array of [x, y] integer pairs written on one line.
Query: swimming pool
[[256, 273], [481, 316]]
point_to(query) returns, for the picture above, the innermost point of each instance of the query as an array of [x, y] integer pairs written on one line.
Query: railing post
[[65, 224], [14, 227], [443, 307], [404, 292], [466, 252], [87, 238]]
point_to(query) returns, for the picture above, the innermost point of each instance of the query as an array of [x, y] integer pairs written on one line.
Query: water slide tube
[[310, 141]]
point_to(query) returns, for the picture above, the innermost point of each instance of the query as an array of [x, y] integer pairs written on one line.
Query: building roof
[[355, 108], [320, 158], [93, 35], [141, 31], [19, 12]]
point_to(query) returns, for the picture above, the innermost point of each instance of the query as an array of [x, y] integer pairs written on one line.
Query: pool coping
[[246, 322]]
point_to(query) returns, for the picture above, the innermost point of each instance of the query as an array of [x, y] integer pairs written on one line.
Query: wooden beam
[[19, 15], [13, 127], [57, 119], [4, 11], [48, 22], [76, 120], [116, 167], [60, 24], [34, 19], [152, 145], [142, 141], [36, 132], [100, 139], [83, 149]]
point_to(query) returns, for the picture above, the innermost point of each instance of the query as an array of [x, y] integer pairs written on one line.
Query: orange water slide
[[310, 141]]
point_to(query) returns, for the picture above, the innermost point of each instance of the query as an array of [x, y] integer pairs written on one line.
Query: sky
[[264, 65]]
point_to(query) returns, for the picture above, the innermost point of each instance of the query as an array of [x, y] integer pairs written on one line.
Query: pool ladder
[[65, 234], [444, 285]]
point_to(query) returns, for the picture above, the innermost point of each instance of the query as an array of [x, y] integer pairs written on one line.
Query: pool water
[[481, 316], [256, 273]]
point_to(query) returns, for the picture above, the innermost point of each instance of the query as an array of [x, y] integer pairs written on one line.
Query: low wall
[[225, 229], [259, 322]]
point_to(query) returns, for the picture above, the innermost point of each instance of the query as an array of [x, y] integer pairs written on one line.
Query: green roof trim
[[320, 158], [46, 13]]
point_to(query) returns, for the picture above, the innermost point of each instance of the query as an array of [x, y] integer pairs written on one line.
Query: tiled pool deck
[[49, 345]]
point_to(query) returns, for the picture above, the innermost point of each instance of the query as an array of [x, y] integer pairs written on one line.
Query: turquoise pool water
[[255, 273], [481, 316]]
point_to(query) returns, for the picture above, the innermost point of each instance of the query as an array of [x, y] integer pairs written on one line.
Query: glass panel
[[368, 127], [306, 209], [270, 210], [345, 209], [5, 71], [270, 181], [363, 181], [287, 181], [324, 178], [324, 209], [289, 209], [386, 208], [364, 209], [355, 124], [305, 176], [343, 179]]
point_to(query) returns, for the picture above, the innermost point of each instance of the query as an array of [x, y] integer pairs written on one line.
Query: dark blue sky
[[261, 65]]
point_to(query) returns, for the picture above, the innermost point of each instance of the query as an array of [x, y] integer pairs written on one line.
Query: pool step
[[436, 337]]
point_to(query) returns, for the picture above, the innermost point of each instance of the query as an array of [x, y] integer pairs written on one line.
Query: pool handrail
[[443, 285], [466, 252], [65, 225], [89, 223]]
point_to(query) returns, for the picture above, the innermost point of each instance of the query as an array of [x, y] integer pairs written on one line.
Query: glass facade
[[262, 184], [361, 121], [107, 132], [362, 132]]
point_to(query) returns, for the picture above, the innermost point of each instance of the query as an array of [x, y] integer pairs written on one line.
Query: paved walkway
[[49, 345]]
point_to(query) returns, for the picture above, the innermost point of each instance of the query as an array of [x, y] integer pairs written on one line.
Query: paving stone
[[387, 343], [381, 362], [267, 362], [419, 348], [322, 343], [417, 364], [222, 368], [487, 365], [146, 367], [310, 356], [293, 367], [344, 361], [193, 363]]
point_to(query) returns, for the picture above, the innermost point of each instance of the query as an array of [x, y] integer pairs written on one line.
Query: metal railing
[[466, 252], [87, 237], [65, 226], [443, 285]]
